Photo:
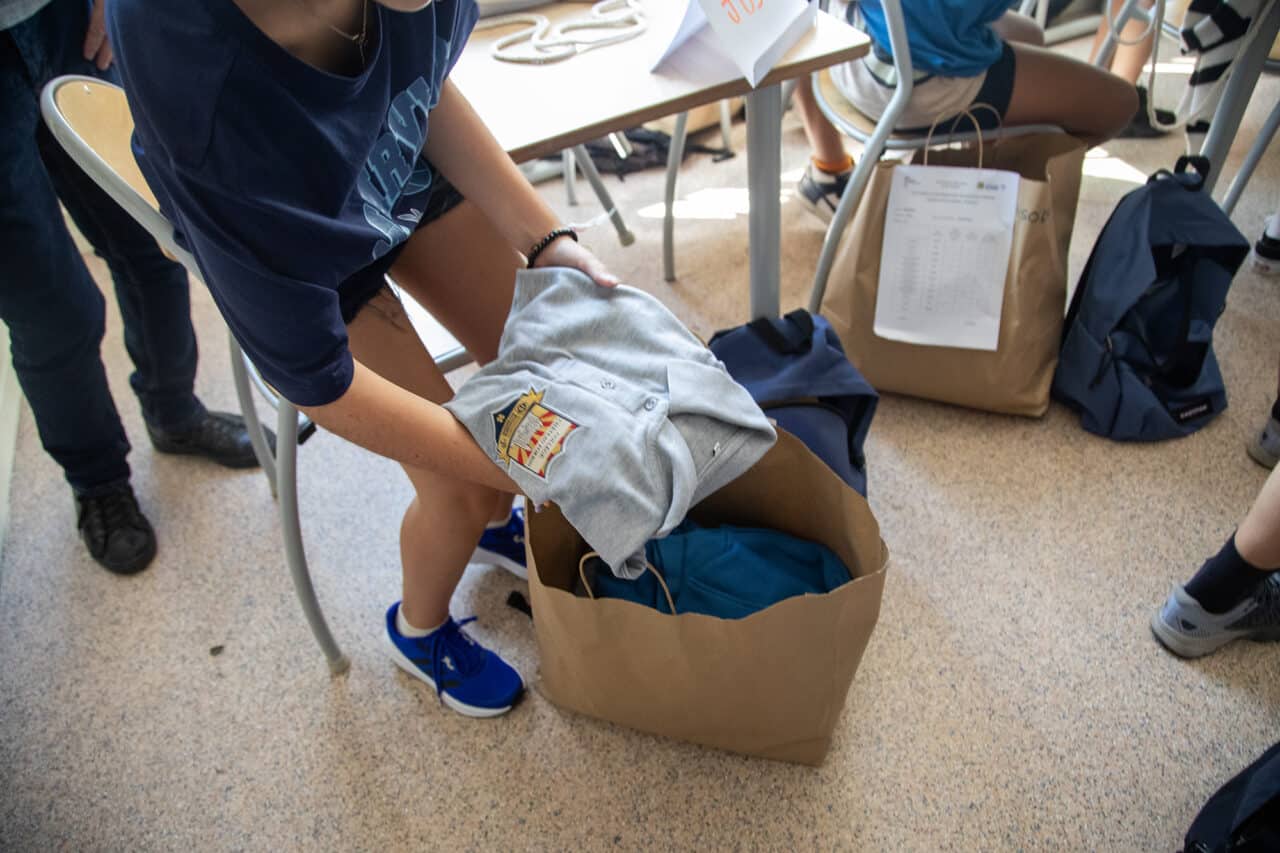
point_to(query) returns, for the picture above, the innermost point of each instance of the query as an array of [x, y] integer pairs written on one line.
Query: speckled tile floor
[[1011, 698]]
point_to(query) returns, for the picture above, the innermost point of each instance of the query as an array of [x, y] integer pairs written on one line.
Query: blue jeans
[[53, 308]]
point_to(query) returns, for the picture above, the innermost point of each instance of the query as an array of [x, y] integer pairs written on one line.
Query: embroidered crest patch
[[530, 434]]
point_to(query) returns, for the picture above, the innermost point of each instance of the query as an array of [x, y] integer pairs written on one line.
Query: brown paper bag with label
[[1016, 377], [772, 684]]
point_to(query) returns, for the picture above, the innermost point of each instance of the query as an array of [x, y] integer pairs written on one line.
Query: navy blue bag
[[1244, 814], [795, 368], [1137, 356]]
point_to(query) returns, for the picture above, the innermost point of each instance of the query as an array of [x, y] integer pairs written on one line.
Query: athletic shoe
[[466, 676], [504, 546], [1266, 253], [1140, 126], [1265, 447], [1188, 630], [820, 191], [220, 436], [115, 531]]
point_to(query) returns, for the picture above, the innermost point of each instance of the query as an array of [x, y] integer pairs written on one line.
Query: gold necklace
[[358, 39]]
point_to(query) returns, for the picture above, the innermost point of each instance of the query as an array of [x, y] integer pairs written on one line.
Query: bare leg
[[1258, 537], [825, 141], [1085, 101], [1128, 59], [461, 270]]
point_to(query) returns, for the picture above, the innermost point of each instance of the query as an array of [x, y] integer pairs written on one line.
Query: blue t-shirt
[[951, 38], [281, 179]]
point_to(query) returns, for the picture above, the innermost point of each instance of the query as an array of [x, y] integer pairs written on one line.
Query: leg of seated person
[[1258, 538], [1234, 595], [462, 272], [439, 530], [1085, 101], [825, 142], [1014, 27], [829, 166], [1130, 53]]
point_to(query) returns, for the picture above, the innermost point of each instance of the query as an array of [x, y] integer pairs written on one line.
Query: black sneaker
[[115, 531], [820, 191], [219, 436], [1140, 126]]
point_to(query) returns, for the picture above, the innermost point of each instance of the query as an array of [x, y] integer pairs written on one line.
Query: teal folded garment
[[729, 572]]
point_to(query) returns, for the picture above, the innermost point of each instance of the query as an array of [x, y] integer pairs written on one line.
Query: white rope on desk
[[554, 43]]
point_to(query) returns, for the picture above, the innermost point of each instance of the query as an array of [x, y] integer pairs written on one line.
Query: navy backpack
[[796, 369], [1244, 814], [1137, 356]]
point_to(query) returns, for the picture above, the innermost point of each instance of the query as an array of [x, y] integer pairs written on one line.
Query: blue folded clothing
[[727, 571]]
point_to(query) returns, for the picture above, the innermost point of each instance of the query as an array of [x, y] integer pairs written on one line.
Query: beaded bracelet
[[546, 241]]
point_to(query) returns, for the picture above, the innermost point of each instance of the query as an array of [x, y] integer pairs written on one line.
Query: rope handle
[[973, 119], [582, 574]]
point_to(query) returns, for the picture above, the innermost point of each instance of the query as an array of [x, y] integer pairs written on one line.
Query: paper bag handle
[[965, 113], [582, 574]]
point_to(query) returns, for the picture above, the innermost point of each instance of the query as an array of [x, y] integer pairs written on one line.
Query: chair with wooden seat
[[91, 120]]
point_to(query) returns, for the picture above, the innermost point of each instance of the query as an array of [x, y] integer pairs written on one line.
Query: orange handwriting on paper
[[732, 7]]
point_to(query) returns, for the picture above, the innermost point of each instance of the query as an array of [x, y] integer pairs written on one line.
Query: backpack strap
[[789, 335], [1191, 183]]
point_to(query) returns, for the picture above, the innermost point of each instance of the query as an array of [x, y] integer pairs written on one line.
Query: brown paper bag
[[772, 684], [1014, 379]]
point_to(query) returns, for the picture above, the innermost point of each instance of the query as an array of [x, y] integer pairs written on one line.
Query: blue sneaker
[[1188, 630], [504, 546], [467, 677]]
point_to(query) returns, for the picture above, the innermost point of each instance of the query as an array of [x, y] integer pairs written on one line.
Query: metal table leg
[[570, 175], [580, 153], [675, 155], [764, 184]]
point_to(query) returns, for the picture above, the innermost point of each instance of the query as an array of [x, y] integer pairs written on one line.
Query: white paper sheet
[[693, 21], [947, 236], [754, 34]]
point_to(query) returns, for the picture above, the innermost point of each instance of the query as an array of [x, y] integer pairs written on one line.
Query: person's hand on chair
[[97, 47], [567, 252]]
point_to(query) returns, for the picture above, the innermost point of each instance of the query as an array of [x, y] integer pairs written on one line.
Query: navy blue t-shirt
[[283, 180]]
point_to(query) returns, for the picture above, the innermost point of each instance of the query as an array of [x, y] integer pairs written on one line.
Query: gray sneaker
[[1265, 447], [1188, 630]]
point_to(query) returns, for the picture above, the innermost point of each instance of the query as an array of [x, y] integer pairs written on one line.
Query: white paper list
[[947, 236]]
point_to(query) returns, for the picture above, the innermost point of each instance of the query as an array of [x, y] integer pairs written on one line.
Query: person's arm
[[385, 419], [466, 153]]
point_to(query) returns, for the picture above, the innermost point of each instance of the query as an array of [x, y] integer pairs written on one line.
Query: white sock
[[1273, 227], [407, 630]]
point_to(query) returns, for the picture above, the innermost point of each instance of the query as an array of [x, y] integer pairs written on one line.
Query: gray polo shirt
[[602, 402], [14, 12]]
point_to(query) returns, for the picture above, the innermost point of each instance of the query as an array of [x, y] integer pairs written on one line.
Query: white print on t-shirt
[[394, 168]]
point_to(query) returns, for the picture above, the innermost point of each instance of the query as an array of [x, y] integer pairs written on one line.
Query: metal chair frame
[[280, 468]]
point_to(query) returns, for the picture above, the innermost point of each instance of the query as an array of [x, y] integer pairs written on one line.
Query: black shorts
[[362, 286], [996, 92]]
